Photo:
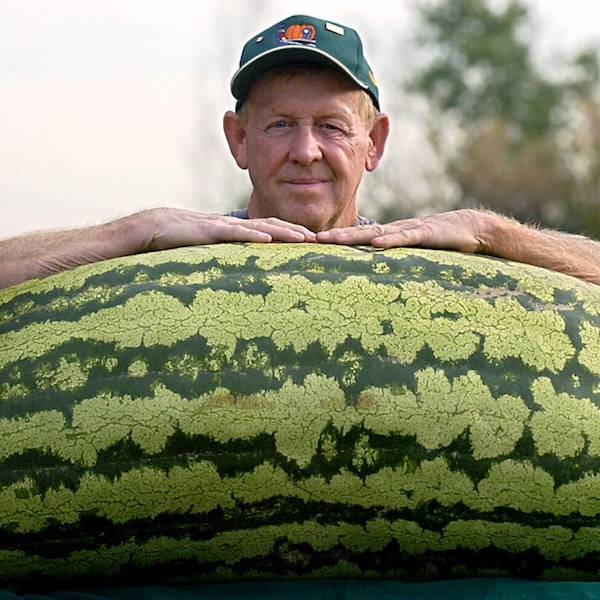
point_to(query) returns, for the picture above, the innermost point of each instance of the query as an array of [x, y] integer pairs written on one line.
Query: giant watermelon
[[234, 412]]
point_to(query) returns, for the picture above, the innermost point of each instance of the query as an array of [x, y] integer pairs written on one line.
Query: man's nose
[[305, 147]]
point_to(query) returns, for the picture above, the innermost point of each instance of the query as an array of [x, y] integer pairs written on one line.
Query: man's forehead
[[285, 83]]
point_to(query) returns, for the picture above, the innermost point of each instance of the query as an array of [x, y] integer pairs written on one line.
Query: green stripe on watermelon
[[430, 414]]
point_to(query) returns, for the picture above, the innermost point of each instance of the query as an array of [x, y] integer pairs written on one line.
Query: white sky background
[[107, 107]]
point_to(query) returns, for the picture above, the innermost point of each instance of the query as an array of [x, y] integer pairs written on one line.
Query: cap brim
[[284, 55]]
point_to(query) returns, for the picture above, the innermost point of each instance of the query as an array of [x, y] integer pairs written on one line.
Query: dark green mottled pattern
[[246, 411]]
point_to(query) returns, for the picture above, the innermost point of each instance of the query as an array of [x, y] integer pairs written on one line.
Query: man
[[307, 125]]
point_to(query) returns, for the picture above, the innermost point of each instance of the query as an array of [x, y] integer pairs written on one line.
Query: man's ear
[[379, 135], [235, 132]]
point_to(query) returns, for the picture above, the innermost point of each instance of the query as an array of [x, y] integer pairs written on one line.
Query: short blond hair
[[366, 108]]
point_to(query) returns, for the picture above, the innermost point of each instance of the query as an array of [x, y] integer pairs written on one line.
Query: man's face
[[306, 145]]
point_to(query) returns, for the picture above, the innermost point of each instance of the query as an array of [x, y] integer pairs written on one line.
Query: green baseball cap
[[304, 39]]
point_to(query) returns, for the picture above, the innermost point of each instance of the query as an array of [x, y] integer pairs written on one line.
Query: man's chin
[[310, 213], [312, 217], [315, 224]]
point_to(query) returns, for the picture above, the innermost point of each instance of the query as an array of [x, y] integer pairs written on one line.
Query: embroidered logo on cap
[[296, 34]]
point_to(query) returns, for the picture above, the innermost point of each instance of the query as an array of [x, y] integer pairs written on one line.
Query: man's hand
[[170, 228], [457, 230]]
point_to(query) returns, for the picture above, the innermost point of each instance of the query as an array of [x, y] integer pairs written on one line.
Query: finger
[[279, 230], [399, 238], [239, 233], [283, 234], [349, 235], [287, 232]]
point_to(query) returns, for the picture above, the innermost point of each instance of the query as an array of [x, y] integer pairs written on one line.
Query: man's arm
[[40, 254], [482, 232]]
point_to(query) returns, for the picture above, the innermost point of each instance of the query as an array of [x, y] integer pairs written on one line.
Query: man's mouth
[[306, 181]]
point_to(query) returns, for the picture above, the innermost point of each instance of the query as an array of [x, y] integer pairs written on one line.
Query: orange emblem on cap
[[296, 33]]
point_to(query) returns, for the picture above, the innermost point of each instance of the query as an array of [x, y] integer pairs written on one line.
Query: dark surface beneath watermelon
[[466, 589]]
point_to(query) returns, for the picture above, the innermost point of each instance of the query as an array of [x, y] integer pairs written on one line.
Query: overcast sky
[[109, 106]]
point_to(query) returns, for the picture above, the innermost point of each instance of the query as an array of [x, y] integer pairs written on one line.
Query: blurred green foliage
[[513, 137]]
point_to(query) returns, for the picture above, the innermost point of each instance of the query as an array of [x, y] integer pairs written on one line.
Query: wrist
[[135, 233], [499, 235]]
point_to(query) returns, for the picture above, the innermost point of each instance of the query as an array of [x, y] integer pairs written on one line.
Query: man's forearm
[[40, 254], [566, 253]]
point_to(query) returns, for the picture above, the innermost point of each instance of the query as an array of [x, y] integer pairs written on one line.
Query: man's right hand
[[171, 228]]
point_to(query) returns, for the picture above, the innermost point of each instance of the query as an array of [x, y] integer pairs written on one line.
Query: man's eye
[[280, 124], [332, 128]]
